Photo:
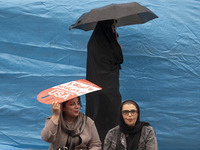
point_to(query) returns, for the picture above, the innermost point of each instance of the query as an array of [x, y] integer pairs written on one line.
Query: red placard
[[66, 91]]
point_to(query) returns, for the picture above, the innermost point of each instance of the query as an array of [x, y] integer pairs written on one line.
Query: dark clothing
[[134, 135], [140, 136], [147, 140], [134, 132], [104, 57]]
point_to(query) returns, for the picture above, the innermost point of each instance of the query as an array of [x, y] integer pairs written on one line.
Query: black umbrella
[[125, 14]]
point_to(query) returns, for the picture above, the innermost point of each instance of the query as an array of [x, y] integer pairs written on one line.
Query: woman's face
[[113, 28], [129, 114], [72, 108]]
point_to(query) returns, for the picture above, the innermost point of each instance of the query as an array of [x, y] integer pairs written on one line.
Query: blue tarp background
[[161, 69]]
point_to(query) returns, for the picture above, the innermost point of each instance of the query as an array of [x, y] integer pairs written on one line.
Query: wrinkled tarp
[[161, 69]]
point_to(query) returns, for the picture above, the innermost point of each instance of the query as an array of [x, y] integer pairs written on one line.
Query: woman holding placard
[[69, 129]]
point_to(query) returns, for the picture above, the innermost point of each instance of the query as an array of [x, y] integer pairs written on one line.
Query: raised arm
[[49, 132]]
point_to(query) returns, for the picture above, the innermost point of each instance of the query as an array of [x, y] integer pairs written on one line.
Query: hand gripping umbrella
[[125, 14]]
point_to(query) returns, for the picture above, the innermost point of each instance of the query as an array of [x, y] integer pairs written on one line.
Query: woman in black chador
[[104, 56]]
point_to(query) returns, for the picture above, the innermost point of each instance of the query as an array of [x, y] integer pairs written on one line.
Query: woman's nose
[[76, 105]]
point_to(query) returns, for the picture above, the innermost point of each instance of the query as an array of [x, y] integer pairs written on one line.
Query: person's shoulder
[[112, 133], [114, 130], [146, 130], [88, 119]]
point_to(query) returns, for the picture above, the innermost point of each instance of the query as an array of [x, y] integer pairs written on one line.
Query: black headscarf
[[134, 132], [103, 36]]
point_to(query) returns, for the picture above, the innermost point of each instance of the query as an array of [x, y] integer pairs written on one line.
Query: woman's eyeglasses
[[126, 112]]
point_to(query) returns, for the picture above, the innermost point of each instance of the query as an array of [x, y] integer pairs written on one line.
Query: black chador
[[104, 56]]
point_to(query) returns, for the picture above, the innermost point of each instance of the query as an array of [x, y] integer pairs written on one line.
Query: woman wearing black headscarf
[[131, 134], [104, 56]]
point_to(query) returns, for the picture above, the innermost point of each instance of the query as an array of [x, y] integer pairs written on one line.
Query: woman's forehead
[[73, 99], [129, 107]]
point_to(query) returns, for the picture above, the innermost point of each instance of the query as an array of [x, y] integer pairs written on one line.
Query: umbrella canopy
[[125, 14]]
